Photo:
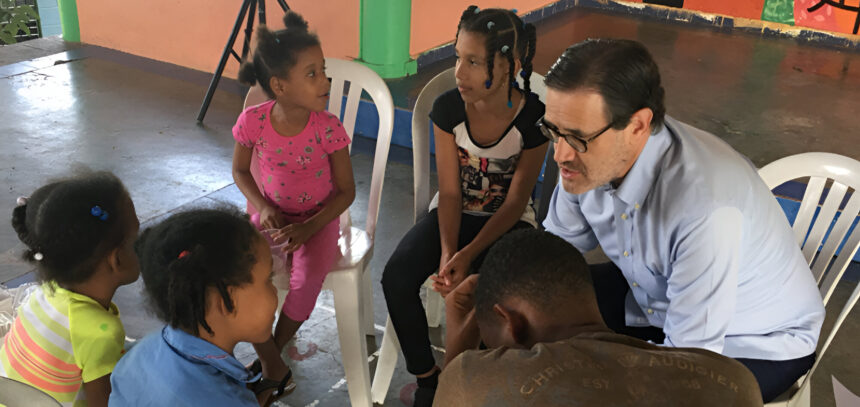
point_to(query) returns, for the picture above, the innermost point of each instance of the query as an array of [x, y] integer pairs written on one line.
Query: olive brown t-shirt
[[596, 369]]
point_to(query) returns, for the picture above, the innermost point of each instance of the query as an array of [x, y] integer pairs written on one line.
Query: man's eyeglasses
[[580, 144]]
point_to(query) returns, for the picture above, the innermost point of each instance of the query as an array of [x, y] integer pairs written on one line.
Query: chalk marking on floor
[[337, 385]]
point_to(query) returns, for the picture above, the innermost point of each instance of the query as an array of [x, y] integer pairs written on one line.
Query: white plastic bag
[[10, 300]]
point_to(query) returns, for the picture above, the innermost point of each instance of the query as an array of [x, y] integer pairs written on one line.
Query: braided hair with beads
[[505, 34]]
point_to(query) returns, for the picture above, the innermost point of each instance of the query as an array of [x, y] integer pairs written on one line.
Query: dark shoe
[[426, 390], [282, 388], [424, 397]]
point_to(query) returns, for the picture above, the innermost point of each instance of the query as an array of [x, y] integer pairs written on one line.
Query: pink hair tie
[[183, 254]]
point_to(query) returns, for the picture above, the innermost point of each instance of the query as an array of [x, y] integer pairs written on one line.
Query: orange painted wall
[[736, 8], [434, 23], [192, 33], [826, 18]]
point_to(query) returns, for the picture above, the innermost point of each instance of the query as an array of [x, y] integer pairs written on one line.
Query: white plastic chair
[[434, 306], [350, 280], [844, 173], [16, 394]]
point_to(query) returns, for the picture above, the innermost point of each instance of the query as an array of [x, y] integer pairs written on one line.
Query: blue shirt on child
[[174, 368]]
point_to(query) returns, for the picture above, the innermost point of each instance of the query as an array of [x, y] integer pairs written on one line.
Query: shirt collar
[[57, 290], [202, 351], [642, 176]]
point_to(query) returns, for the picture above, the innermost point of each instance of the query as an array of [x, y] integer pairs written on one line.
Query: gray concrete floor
[[768, 98]]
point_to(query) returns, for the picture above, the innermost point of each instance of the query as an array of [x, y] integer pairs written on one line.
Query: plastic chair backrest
[[844, 173], [350, 79], [18, 394], [440, 84], [361, 78]]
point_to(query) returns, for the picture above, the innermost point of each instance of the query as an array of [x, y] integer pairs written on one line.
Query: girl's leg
[[413, 261], [310, 264]]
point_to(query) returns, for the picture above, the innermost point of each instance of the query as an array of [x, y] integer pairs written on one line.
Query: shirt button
[[635, 284], [650, 311], [624, 216], [636, 206], [626, 253]]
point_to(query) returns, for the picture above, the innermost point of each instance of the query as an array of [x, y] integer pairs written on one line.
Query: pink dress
[[294, 175]]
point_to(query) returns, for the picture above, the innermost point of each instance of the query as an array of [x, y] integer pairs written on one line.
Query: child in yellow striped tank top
[[67, 337]]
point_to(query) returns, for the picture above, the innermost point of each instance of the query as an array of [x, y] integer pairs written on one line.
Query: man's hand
[[461, 332]]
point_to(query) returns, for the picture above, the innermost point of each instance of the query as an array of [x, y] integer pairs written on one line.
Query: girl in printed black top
[[488, 155]]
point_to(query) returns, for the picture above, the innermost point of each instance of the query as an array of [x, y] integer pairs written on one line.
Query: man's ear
[[640, 123], [514, 326]]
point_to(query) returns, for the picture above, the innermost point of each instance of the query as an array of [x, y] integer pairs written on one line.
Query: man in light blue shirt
[[702, 254]]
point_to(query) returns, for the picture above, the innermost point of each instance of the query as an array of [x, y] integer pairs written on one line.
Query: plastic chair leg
[[388, 354], [803, 398], [347, 300], [367, 302], [434, 308]]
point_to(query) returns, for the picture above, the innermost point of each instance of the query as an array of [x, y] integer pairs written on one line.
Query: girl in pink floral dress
[[303, 176]]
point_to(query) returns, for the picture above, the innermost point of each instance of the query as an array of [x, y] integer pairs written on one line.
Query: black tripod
[[251, 5]]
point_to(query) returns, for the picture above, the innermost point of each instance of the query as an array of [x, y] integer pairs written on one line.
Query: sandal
[[282, 388]]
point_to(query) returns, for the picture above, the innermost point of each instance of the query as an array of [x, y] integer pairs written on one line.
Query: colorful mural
[[827, 15]]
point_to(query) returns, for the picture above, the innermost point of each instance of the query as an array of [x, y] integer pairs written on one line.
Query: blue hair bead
[[490, 25], [477, 10], [98, 212], [277, 40], [488, 83], [505, 49], [523, 75], [513, 10], [510, 104]]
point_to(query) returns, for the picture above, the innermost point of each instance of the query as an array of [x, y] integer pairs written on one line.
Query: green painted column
[[69, 20], [384, 42]]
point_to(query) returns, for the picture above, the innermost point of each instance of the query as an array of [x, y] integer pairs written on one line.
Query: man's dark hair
[[181, 257], [536, 266], [621, 71]]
